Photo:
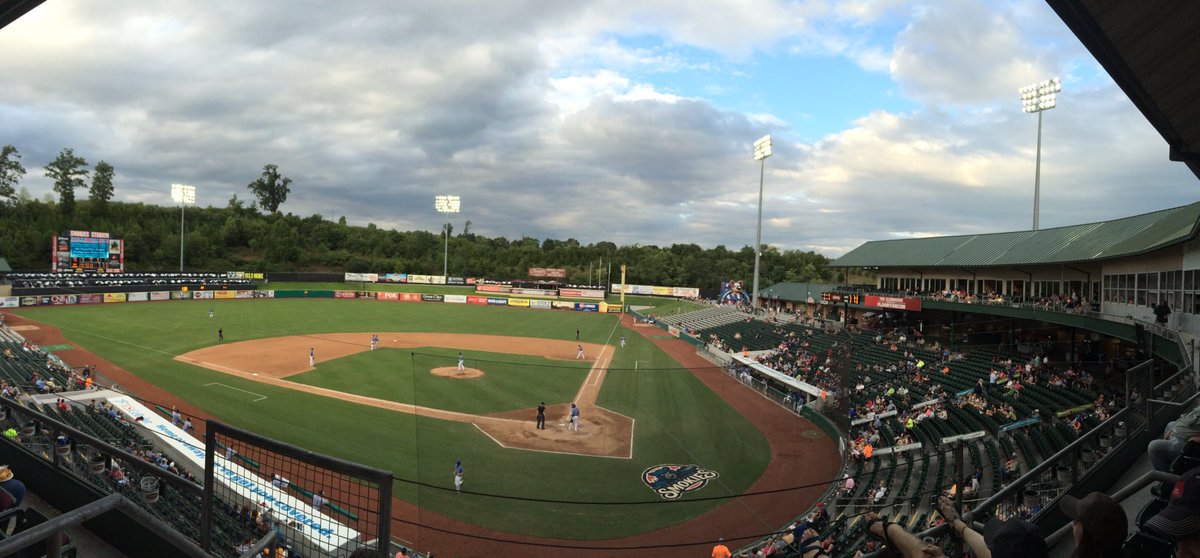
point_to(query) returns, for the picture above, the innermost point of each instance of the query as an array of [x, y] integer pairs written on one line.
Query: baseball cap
[[1180, 520], [1101, 516], [1014, 538]]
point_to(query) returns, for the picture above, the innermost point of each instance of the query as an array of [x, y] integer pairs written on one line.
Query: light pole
[[183, 195], [762, 150], [447, 204], [1039, 97]]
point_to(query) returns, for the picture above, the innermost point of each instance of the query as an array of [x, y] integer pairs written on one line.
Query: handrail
[[52, 530], [1129, 490]]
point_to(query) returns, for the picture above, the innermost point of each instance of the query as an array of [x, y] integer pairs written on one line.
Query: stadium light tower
[[447, 204], [1039, 97], [183, 195], [762, 150]]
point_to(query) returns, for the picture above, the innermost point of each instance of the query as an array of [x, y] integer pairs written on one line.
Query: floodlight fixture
[[447, 204], [1039, 97], [762, 150], [183, 195]]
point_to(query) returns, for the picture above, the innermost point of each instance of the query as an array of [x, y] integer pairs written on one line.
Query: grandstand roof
[[1149, 48], [1076, 243], [797, 291], [4, 267], [10, 10]]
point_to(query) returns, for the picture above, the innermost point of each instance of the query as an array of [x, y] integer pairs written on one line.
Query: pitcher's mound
[[454, 372]]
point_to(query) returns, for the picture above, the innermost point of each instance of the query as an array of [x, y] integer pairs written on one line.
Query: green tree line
[[239, 237]]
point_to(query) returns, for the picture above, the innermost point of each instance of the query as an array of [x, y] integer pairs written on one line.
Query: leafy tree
[[102, 186], [271, 188], [67, 171], [11, 173]]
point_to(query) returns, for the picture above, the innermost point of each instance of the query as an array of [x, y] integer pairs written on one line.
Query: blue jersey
[[574, 411]]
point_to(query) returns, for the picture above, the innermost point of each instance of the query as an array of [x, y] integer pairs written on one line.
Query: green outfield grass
[[510, 382], [679, 420]]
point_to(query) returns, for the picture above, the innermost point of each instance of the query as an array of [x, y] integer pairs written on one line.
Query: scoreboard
[[87, 252], [838, 298]]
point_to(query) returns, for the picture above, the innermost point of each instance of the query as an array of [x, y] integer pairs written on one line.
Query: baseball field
[[405, 407]]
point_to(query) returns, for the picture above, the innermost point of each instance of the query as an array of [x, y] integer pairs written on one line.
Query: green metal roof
[[1076, 243], [4, 266], [796, 291]]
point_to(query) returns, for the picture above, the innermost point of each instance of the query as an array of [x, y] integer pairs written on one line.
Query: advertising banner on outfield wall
[[175, 295], [456, 299], [225, 295], [29, 301], [606, 308], [540, 304], [581, 293], [114, 297], [387, 296], [244, 294], [497, 301], [556, 272], [536, 292], [9, 302], [395, 278], [661, 291], [90, 299], [64, 299], [410, 297], [201, 295], [587, 307], [477, 299], [160, 295], [493, 288], [456, 281], [344, 294], [523, 302], [427, 279], [362, 277], [431, 298], [562, 305], [137, 297], [685, 292], [673, 331], [471, 280]]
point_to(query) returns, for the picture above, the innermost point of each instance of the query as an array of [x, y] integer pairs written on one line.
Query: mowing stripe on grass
[[260, 396]]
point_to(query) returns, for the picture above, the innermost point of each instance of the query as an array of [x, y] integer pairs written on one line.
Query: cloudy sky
[[621, 120]]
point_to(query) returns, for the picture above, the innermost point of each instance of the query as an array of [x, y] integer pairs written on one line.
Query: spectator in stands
[[899, 540], [1014, 538], [13, 487], [1161, 312], [720, 550], [319, 499], [1178, 434], [1099, 525], [1178, 521], [848, 485]]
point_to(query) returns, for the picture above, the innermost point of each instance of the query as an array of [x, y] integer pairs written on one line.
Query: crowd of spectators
[[129, 279]]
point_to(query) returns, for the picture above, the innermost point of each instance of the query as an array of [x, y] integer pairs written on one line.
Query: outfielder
[[312, 357], [458, 476], [574, 418], [210, 311], [579, 356], [622, 341], [460, 361]]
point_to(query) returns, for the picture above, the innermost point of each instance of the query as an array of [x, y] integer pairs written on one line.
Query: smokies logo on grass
[[672, 481]]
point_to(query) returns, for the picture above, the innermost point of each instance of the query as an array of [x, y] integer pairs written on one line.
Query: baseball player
[[579, 356], [577, 335], [312, 357], [220, 334], [210, 311], [574, 418], [458, 476], [541, 416], [622, 341], [460, 361]]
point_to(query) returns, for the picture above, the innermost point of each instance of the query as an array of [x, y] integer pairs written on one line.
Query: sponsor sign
[[225, 295], [29, 301], [245, 275], [264, 294], [432, 298], [362, 277], [427, 279], [536, 292], [673, 331], [470, 280], [91, 299], [114, 297], [642, 290], [137, 297], [493, 301], [519, 302], [64, 299], [387, 296], [456, 281], [541, 304], [671, 482], [201, 295], [396, 278], [160, 295], [175, 295], [562, 304], [685, 292], [493, 288], [893, 302], [243, 294], [587, 307], [661, 291], [9, 302], [471, 299], [455, 299], [581, 293], [556, 272], [345, 294], [410, 297]]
